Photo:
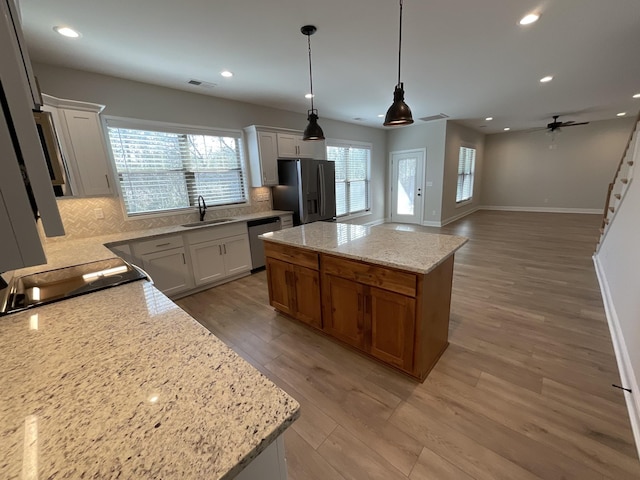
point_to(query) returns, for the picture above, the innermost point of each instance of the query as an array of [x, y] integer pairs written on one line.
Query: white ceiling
[[468, 59]]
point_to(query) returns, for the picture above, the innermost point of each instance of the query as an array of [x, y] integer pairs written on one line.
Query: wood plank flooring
[[523, 391]]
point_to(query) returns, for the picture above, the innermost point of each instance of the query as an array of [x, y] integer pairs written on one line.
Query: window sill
[[353, 216], [464, 203]]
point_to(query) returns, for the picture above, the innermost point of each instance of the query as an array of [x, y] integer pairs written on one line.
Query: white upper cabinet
[[267, 144], [83, 144], [263, 157], [292, 146], [21, 154]]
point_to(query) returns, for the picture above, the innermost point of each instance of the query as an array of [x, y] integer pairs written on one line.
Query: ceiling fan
[[556, 125]]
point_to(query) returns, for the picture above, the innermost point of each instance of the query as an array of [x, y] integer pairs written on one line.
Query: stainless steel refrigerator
[[308, 188]]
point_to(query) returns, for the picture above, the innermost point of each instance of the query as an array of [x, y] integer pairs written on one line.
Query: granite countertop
[[123, 383], [412, 251]]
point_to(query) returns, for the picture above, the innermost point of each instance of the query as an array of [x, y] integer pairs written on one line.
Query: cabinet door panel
[[207, 261], [169, 270], [391, 320], [343, 310], [287, 144], [89, 152], [307, 296], [268, 158], [237, 255], [278, 274]]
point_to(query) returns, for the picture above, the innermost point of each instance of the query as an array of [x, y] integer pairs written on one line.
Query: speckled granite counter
[[122, 383], [411, 251]]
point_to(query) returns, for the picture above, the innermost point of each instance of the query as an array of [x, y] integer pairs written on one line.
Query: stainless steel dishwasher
[[258, 227]]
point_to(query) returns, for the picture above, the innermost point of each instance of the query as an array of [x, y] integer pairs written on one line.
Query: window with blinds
[[466, 168], [160, 169], [352, 176]]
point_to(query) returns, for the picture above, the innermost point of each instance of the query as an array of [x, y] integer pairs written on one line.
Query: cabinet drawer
[[216, 232], [290, 254], [158, 244], [386, 278]]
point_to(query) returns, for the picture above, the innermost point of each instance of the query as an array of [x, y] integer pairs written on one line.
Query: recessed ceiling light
[[67, 32], [546, 79], [637, 95], [309, 95], [381, 115], [529, 19], [488, 119], [506, 129], [226, 73], [621, 114]]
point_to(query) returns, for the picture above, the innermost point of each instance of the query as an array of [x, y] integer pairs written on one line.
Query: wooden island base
[[398, 317]]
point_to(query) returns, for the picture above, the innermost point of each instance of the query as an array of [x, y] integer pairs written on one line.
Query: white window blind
[[466, 168], [352, 176], [159, 169]]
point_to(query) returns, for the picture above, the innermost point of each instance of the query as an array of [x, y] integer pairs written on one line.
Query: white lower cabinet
[[207, 262], [184, 262], [237, 254], [215, 259], [169, 270]]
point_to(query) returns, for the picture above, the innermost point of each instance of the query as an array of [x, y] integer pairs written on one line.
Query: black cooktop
[[55, 285]]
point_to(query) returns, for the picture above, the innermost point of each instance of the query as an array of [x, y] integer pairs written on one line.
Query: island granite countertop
[[411, 251], [123, 383]]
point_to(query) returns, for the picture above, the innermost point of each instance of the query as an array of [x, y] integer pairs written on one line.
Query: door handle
[[220, 249], [108, 184], [224, 248]]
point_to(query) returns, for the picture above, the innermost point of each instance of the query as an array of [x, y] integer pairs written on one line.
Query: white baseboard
[[373, 223], [627, 376], [427, 223], [459, 216], [589, 211]]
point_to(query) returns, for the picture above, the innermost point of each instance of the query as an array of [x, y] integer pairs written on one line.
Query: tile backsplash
[[79, 215]]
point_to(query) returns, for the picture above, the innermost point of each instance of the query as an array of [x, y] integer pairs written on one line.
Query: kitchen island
[[122, 383], [385, 292]]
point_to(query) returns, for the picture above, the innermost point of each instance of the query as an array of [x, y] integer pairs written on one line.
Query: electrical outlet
[[98, 213]]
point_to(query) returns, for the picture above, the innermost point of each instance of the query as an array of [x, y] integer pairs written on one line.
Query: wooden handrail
[[615, 177], [624, 153]]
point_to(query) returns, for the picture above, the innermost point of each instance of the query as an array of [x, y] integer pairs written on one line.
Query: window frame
[[361, 145], [468, 200], [167, 127]]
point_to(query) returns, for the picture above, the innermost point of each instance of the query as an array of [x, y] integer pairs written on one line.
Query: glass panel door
[[407, 186]]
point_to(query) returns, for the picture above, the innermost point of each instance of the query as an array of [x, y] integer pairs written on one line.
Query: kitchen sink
[[208, 222]]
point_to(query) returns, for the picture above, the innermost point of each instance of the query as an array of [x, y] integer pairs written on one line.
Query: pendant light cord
[[399, 43], [310, 73]]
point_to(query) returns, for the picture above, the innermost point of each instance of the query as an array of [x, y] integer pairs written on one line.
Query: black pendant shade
[[399, 112], [313, 130]]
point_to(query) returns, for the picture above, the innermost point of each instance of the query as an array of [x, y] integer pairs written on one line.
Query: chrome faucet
[[202, 207]]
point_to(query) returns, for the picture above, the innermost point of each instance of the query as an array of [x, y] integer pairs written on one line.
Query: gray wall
[[522, 171], [460, 136], [431, 136], [126, 98]]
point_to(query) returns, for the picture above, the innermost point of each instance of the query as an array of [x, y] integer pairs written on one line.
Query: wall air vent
[[434, 117], [200, 83]]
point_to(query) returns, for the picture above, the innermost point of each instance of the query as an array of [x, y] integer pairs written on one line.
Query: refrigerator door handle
[[321, 193]]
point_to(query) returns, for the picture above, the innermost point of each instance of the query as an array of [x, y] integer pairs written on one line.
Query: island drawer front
[[158, 244], [385, 278], [290, 254]]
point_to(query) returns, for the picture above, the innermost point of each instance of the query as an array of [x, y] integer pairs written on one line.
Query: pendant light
[[313, 130], [399, 112]]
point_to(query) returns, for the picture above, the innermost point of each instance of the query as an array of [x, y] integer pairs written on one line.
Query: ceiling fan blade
[[568, 122], [575, 124]]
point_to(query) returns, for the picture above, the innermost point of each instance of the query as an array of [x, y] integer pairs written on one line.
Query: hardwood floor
[[523, 391]]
